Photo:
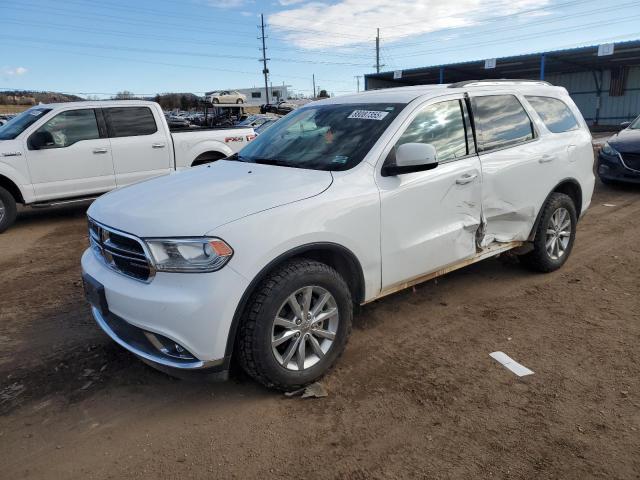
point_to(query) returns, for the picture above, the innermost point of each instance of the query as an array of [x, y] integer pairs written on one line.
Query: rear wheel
[[554, 236], [296, 325], [208, 157], [8, 209]]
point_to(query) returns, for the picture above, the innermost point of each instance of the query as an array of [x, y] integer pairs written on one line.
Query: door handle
[[157, 145], [546, 159], [100, 150], [466, 178]]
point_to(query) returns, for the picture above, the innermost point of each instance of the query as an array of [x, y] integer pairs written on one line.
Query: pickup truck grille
[[631, 160], [119, 251]]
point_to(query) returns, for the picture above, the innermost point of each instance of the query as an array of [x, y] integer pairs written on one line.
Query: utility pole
[[264, 59], [377, 50], [358, 77], [314, 85]]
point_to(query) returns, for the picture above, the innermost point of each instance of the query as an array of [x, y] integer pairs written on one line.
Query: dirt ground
[[416, 394]]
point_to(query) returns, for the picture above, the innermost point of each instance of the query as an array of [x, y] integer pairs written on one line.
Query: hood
[[198, 200], [626, 141]]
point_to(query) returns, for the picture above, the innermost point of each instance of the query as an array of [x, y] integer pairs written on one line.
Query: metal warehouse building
[[603, 80]]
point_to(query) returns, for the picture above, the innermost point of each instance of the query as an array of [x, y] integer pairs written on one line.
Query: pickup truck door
[[76, 162], [140, 144], [429, 219], [519, 165]]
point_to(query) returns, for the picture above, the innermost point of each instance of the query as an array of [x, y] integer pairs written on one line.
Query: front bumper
[[612, 168], [194, 310]]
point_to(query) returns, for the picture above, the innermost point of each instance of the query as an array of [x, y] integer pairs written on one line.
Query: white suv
[[264, 255]]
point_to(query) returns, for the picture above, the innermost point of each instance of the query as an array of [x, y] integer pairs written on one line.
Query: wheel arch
[[343, 260], [12, 188], [571, 188], [208, 157]]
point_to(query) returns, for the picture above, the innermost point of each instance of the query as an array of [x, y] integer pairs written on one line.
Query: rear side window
[[443, 126], [554, 113], [130, 121], [501, 122]]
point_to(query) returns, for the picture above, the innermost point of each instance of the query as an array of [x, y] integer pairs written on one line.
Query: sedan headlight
[[189, 255], [609, 150]]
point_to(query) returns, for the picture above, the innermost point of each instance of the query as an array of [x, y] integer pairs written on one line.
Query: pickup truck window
[[71, 127], [501, 121], [130, 121], [20, 123], [443, 126], [323, 137], [554, 113]]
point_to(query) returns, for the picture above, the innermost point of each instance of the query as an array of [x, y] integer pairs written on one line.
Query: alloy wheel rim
[[305, 328], [2, 210], [558, 233]]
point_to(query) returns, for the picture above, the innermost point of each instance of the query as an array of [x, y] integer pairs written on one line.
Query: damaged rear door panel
[[517, 167]]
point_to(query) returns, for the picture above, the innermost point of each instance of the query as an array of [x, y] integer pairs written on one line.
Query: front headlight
[[189, 255], [609, 150]]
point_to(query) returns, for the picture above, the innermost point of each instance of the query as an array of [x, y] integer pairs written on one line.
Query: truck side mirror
[[412, 157], [40, 140]]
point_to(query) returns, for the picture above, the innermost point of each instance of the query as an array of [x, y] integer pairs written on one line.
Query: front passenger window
[[443, 126], [71, 127]]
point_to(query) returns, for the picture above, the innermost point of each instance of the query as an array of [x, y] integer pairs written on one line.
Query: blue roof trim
[[631, 43]]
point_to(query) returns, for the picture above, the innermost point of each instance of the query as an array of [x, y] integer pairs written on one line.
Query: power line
[[521, 37], [493, 31]]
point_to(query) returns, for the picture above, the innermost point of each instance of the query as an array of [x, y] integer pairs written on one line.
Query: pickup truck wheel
[[8, 210], [239, 101], [555, 235], [215, 100], [296, 325]]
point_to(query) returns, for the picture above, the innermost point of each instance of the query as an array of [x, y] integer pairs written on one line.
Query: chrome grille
[[631, 160], [119, 251]]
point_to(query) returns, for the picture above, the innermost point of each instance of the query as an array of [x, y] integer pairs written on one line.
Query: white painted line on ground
[[508, 362]]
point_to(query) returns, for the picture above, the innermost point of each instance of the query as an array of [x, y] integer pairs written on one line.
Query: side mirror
[[625, 124], [412, 157], [40, 140]]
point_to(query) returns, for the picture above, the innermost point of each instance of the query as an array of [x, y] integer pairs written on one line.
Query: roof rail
[[478, 83]]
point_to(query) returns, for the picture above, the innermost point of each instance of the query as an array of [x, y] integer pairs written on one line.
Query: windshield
[[323, 137], [635, 124], [20, 123]]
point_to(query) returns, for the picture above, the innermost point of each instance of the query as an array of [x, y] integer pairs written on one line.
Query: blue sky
[[151, 46]]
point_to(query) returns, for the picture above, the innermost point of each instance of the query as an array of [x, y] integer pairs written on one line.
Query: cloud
[[13, 71], [227, 3], [317, 25]]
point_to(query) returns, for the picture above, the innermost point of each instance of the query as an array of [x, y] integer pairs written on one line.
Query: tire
[[557, 210], [267, 363], [239, 101], [215, 100], [8, 210]]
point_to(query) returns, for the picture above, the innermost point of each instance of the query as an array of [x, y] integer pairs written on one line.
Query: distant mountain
[[29, 97]]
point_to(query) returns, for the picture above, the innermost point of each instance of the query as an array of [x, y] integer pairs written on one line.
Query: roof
[[571, 60], [97, 103], [408, 94]]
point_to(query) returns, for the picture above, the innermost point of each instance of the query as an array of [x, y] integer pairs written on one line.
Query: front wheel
[[555, 235], [296, 325], [8, 209], [239, 101], [215, 100]]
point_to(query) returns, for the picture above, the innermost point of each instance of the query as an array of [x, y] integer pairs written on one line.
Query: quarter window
[[554, 113], [443, 126], [71, 127], [501, 122], [131, 121]]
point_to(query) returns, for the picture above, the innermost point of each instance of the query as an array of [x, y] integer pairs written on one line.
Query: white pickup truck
[[68, 152]]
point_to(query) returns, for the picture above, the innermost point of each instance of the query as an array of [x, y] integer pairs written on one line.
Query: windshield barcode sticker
[[368, 114]]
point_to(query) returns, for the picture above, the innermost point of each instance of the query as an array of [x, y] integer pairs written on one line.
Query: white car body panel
[[92, 167], [399, 228]]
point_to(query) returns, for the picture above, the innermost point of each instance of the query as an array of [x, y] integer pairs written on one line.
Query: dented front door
[[429, 219]]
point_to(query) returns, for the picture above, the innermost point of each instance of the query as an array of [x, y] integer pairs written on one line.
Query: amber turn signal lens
[[220, 248]]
